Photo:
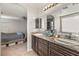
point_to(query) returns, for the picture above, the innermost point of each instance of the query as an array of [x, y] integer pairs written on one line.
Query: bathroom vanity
[[51, 46]]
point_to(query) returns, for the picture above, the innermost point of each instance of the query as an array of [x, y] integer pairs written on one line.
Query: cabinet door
[[43, 47], [52, 51], [34, 43]]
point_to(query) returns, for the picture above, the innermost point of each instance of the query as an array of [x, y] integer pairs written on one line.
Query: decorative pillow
[[19, 33]]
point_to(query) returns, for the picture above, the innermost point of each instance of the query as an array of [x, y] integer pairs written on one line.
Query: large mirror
[[50, 22]]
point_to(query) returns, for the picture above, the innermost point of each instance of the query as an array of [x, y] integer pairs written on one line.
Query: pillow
[[19, 33]]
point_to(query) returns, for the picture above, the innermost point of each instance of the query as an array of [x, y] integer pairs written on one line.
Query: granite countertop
[[61, 41]]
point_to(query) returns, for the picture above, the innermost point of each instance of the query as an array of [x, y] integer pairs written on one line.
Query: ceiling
[[12, 9], [35, 5], [19, 9]]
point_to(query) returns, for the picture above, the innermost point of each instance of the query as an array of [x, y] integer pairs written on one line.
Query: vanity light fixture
[[46, 8], [43, 9], [49, 6]]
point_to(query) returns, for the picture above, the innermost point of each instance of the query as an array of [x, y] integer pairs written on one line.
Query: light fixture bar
[[49, 6]]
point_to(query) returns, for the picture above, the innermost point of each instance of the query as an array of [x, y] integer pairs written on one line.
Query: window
[[38, 22]]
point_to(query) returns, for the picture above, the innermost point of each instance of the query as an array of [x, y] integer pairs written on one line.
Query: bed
[[7, 38]]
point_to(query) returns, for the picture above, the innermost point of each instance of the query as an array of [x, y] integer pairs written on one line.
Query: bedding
[[7, 37]]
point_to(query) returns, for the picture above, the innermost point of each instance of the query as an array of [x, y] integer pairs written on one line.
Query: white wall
[[13, 9], [32, 13], [71, 8], [11, 25]]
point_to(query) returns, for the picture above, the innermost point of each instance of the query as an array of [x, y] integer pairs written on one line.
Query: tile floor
[[16, 50]]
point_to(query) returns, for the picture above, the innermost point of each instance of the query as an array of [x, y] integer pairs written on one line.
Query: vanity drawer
[[43, 49], [43, 41]]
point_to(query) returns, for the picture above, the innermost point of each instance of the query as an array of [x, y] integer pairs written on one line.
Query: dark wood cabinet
[[34, 44], [40, 46], [45, 48]]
